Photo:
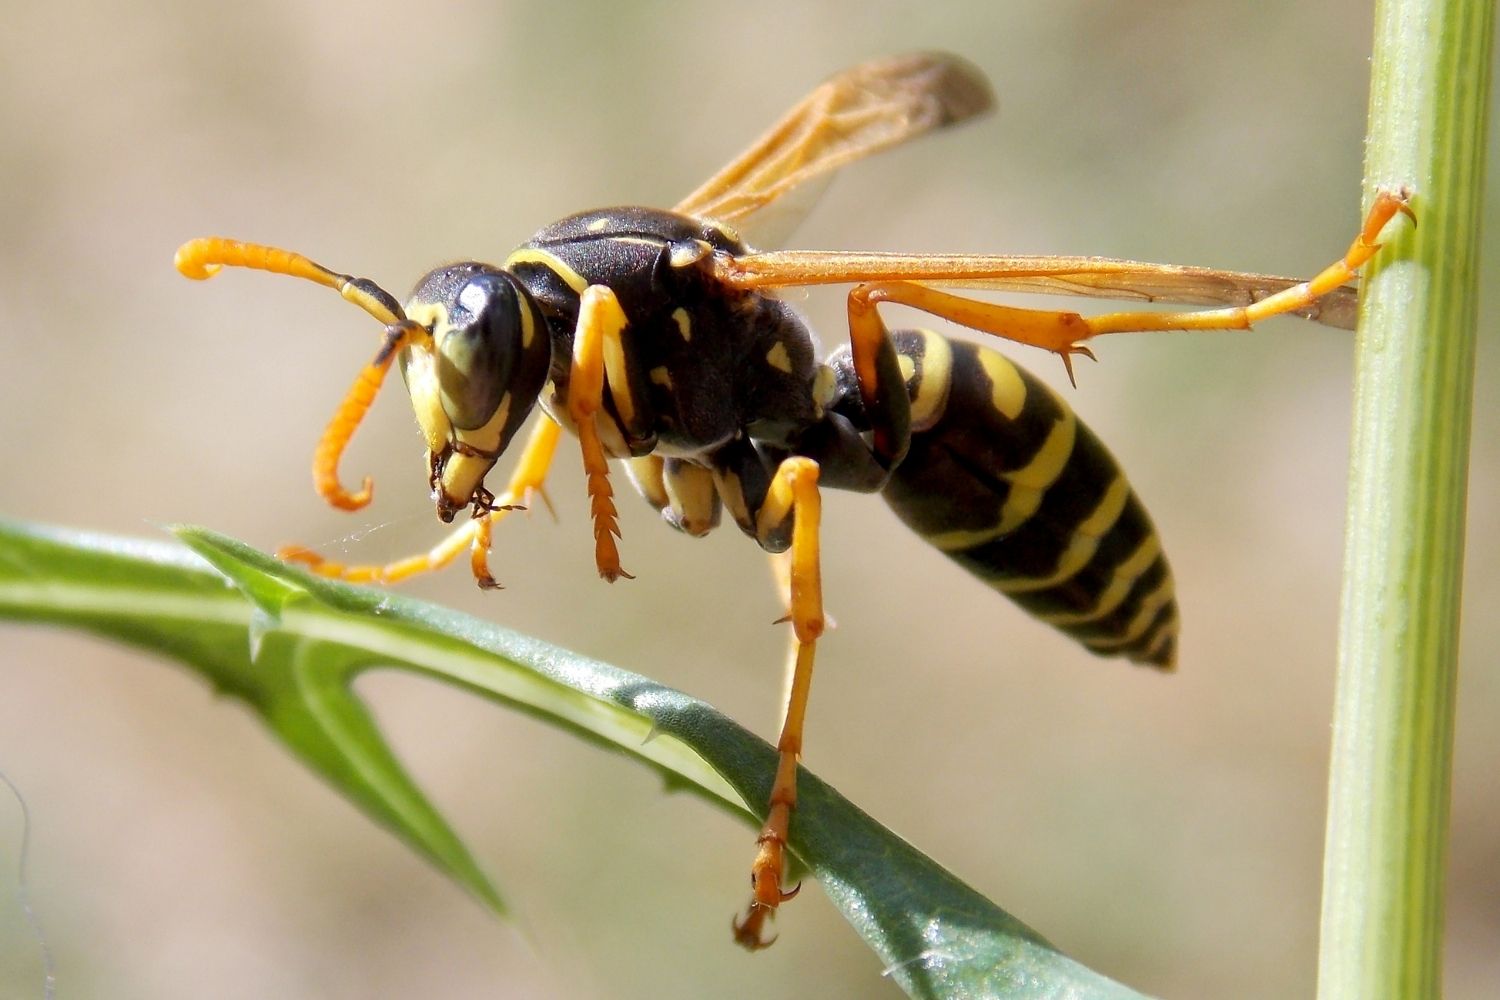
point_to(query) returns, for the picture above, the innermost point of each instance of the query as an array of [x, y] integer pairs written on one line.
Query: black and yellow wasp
[[657, 338]]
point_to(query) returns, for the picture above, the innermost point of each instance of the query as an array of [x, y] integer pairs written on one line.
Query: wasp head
[[474, 383]]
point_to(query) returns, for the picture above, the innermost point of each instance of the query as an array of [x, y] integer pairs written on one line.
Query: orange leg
[[793, 493], [527, 481], [1063, 333], [596, 351]]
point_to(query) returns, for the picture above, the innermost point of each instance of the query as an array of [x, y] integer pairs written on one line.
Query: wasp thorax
[[476, 380]]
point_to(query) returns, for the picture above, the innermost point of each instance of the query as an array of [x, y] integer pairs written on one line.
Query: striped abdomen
[[1004, 478]]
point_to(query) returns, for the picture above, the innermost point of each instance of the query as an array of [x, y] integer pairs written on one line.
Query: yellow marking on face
[[420, 372], [937, 378], [463, 474], [1007, 388], [1121, 581], [528, 321], [660, 376], [433, 315], [599, 224], [778, 358], [552, 262], [684, 323]]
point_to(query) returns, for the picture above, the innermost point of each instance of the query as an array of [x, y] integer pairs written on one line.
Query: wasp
[[657, 338]]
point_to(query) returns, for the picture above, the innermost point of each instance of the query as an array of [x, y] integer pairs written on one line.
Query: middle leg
[[793, 495]]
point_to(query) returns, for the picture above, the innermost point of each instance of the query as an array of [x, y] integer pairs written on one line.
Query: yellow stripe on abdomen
[[1008, 483]]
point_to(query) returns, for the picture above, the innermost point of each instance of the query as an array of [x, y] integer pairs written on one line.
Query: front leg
[[598, 355], [526, 481]]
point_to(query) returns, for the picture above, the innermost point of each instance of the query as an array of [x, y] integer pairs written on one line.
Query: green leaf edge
[[936, 936]]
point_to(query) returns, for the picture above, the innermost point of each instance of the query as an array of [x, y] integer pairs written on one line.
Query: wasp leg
[[1386, 206], [597, 354], [793, 494], [1064, 333], [526, 481], [882, 387]]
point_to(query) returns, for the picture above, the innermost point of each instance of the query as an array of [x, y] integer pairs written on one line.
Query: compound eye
[[477, 350]]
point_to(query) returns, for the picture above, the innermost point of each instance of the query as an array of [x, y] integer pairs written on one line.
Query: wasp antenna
[[204, 257]]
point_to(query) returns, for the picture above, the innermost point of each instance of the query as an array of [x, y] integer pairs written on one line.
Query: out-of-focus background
[[1166, 830]]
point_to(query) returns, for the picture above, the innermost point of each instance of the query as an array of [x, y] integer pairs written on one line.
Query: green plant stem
[[1393, 725]]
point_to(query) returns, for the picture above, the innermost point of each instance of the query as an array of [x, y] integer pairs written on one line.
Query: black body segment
[[1002, 477], [704, 363]]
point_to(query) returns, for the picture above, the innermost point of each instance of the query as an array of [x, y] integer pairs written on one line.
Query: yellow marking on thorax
[[599, 224], [778, 358], [730, 234], [684, 323], [552, 262], [660, 376]]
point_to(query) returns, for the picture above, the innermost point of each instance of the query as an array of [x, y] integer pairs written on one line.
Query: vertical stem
[[1393, 724]]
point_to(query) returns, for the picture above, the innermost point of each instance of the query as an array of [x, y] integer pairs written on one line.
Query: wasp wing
[[863, 110], [1094, 277]]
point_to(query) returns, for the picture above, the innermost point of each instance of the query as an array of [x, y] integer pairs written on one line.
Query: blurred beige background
[[1165, 830]]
